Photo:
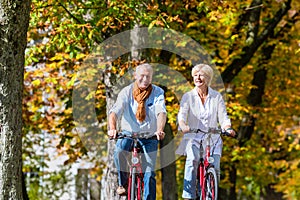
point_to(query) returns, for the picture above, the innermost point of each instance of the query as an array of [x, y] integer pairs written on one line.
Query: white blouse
[[211, 114]]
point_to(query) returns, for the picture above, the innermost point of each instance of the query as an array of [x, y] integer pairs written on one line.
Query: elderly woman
[[200, 108]]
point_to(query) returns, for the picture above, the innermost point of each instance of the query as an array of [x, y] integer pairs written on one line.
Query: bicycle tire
[[211, 184], [132, 184], [139, 187]]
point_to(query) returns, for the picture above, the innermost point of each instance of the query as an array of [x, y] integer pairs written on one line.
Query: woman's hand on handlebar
[[185, 128], [112, 134], [231, 132]]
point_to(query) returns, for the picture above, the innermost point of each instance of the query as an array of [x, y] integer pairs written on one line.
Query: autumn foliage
[[254, 44]]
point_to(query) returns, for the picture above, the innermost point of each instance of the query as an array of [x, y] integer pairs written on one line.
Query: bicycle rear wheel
[[211, 184], [140, 187]]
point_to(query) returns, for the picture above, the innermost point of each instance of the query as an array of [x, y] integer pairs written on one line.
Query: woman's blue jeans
[[149, 154]]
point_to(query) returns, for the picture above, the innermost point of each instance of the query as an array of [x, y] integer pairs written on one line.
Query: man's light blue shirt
[[125, 107]]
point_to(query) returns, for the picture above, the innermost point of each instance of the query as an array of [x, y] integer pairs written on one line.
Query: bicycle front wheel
[[131, 189], [211, 184]]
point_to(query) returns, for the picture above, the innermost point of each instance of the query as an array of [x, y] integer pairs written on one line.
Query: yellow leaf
[[52, 65], [80, 56], [36, 82], [90, 34], [56, 57], [60, 63], [227, 31], [169, 99], [193, 24], [72, 81], [48, 90]]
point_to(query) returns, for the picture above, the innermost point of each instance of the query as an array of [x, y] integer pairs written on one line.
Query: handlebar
[[135, 135], [214, 131]]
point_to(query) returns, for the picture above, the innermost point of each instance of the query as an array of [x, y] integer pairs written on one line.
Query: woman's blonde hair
[[206, 69]]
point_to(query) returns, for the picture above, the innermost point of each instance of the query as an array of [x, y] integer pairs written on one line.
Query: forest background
[[254, 44]]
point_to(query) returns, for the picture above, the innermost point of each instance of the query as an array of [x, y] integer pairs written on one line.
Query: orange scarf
[[141, 96]]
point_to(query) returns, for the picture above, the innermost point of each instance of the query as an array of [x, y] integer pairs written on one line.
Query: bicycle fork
[[135, 177], [204, 164], [201, 177]]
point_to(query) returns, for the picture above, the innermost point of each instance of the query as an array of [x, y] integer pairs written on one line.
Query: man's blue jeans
[[149, 154], [190, 171]]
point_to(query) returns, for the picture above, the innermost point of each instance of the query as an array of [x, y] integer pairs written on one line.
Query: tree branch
[[253, 25], [76, 19], [248, 51]]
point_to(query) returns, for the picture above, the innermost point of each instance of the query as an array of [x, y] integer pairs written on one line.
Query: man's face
[[143, 78]]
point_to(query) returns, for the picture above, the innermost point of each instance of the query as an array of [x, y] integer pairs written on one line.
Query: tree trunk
[[82, 180], [87, 187], [109, 182], [14, 21]]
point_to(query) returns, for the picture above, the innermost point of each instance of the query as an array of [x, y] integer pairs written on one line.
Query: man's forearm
[[112, 121], [161, 121]]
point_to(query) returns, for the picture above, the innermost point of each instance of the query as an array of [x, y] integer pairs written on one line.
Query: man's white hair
[[146, 66]]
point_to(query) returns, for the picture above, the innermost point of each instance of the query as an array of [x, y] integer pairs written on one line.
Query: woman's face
[[201, 79], [143, 78]]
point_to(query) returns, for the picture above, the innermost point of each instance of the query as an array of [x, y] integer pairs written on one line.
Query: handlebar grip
[[117, 136], [228, 134]]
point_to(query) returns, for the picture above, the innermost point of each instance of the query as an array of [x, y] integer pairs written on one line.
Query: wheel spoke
[[211, 185]]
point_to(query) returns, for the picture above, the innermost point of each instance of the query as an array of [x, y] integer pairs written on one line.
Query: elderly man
[[141, 108]]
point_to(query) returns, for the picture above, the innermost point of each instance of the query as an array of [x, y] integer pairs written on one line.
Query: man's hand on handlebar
[[160, 135], [112, 134]]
